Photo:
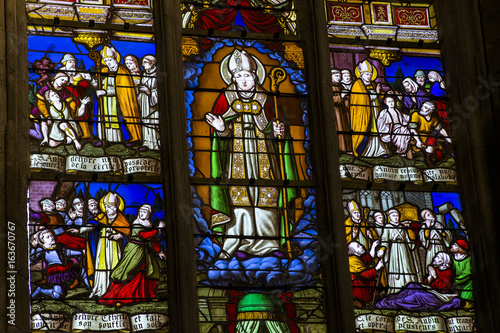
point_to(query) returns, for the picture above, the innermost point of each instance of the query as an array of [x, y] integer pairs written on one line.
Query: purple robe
[[415, 297]]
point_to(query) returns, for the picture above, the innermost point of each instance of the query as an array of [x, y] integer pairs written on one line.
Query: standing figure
[[356, 228], [342, 124], [148, 104], [113, 227], [397, 245], [136, 276], [364, 108], [118, 100], [433, 236], [61, 207], [463, 272], [392, 127], [346, 83], [134, 67], [244, 126]]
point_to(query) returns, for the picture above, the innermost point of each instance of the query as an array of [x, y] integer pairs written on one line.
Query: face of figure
[[437, 262], [357, 248], [346, 78], [54, 97], [336, 77], [379, 219], [366, 77], [78, 207], [428, 215], [420, 80], [110, 210], [111, 63], [60, 206], [394, 217], [425, 110], [93, 207], [48, 207], [143, 213], [71, 64], [48, 240], [245, 81], [389, 102], [355, 215], [60, 82], [131, 64], [408, 87], [147, 64]]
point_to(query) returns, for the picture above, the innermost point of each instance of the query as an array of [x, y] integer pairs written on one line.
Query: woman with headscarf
[[414, 96], [135, 277]]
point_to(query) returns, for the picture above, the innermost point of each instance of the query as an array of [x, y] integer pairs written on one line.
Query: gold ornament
[[385, 56]]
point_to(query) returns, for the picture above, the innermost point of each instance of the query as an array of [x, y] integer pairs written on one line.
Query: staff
[[278, 75], [94, 55]]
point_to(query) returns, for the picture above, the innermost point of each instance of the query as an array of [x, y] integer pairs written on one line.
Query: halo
[[227, 76], [121, 206]]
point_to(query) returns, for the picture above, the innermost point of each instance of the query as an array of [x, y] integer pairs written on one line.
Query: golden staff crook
[[277, 76]]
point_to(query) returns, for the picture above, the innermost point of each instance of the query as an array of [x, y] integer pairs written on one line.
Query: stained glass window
[[408, 252], [97, 249], [251, 173]]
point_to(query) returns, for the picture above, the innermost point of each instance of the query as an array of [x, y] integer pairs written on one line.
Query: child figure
[[63, 127]]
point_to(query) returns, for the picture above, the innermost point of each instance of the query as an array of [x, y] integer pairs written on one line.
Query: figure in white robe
[[433, 236], [397, 245], [148, 104], [393, 127]]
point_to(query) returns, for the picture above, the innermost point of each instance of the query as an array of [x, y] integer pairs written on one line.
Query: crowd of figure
[[407, 265], [118, 99], [372, 122], [113, 259]]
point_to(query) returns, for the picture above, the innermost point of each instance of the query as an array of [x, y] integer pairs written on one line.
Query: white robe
[[148, 106], [398, 257], [251, 221], [108, 254], [392, 128], [435, 243]]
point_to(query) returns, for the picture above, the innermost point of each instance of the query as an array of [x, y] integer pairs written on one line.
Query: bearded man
[[363, 272]]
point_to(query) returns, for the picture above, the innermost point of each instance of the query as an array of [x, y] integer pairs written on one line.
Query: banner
[[402, 323], [461, 324], [74, 163], [82, 322], [354, 172], [374, 322], [381, 173], [50, 321], [419, 324]]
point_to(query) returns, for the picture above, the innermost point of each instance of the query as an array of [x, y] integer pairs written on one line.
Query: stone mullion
[[182, 282], [339, 311]]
